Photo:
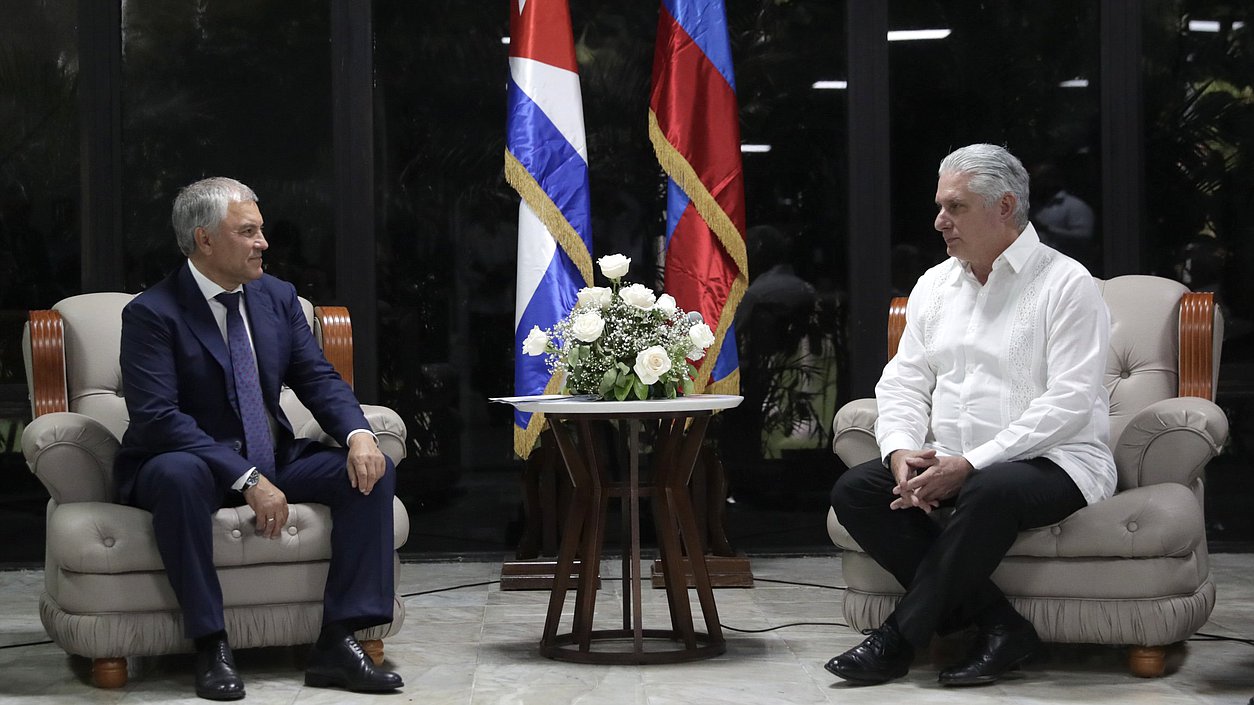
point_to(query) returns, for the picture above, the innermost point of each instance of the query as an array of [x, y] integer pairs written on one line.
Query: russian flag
[[695, 129], [546, 161]]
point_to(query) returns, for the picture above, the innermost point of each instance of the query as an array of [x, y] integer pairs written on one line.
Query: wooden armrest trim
[[47, 348], [337, 338], [1197, 354], [896, 323]]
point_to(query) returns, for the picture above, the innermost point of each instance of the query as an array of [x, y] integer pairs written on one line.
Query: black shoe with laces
[[343, 664], [998, 649], [882, 656], [216, 678]]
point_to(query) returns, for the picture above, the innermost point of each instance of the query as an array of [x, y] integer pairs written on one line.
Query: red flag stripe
[[541, 32], [688, 90]]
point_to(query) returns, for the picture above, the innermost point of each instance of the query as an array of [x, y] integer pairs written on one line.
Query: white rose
[[666, 304], [594, 296], [614, 266], [536, 342], [652, 363], [637, 295], [701, 338], [587, 326]]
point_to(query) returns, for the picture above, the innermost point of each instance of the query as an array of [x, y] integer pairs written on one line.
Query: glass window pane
[[1023, 75], [238, 88], [448, 226], [776, 447], [39, 227], [1199, 130]]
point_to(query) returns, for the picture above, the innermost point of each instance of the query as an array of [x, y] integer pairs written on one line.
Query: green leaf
[[641, 389], [607, 382], [620, 393]]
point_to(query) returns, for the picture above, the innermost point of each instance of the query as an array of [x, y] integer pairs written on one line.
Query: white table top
[[569, 405]]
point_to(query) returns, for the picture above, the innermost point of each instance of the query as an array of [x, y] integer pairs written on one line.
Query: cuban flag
[[546, 161], [695, 129]]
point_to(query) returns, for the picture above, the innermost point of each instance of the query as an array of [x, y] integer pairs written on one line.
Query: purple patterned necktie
[[252, 409]]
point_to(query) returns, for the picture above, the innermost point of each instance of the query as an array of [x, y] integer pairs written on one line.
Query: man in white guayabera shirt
[[994, 405]]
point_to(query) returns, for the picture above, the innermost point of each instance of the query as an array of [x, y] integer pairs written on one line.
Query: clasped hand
[[924, 479]]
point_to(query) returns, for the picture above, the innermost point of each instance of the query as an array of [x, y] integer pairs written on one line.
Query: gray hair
[[204, 205], [994, 172]]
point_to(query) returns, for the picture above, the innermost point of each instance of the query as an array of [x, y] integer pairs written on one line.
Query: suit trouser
[[945, 569], [182, 495]]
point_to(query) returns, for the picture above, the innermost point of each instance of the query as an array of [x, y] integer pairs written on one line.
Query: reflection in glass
[[39, 168], [1024, 75], [226, 88], [1199, 126], [448, 223]]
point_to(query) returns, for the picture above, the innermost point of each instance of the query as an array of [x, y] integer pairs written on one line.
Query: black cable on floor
[[793, 582], [29, 643], [446, 589], [1202, 636], [784, 626]]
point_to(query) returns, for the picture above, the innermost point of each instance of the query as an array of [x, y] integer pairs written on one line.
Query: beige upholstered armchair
[[106, 596], [1133, 569]]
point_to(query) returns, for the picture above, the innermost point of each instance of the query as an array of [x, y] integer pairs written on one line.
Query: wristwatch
[[251, 481]]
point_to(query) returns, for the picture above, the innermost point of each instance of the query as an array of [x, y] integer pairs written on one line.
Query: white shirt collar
[[207, 287], [1016, 255]]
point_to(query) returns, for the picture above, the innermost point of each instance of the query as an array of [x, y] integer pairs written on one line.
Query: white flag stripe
[[557, 93], [536, 249]]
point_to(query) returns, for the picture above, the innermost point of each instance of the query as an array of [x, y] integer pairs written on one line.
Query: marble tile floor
[[477, 645]]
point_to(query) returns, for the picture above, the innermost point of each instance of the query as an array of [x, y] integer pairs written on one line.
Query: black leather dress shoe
[[216, 678], [997, 651], [344, 664], [882, 656]]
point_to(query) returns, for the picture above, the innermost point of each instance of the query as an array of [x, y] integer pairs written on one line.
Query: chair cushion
[[100, 537], [1145, 522]]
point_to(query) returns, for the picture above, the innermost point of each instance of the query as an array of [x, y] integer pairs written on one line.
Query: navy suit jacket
[[176, 367]]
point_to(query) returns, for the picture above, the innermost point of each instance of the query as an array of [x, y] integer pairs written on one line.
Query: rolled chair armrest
[[388, 428], [853, 432], [384, 422], [72, 455], [1170, 441]]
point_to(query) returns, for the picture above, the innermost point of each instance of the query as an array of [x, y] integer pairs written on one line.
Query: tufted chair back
[[1145, 319]]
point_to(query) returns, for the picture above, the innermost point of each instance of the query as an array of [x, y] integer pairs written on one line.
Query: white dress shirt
[[1009, 370]]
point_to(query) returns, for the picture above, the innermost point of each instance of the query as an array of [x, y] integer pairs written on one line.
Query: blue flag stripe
[[676, 203], [704, 21], [538, 145], [553, 299]]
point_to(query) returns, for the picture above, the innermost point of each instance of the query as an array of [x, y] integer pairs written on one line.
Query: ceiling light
[[908, 35]]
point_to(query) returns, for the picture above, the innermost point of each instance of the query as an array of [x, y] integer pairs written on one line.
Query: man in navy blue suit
[[207, 431]]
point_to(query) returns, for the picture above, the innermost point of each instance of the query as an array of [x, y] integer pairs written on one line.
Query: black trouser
[[946, 569]]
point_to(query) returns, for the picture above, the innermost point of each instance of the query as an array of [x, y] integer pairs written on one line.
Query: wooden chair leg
[[108, 672], [1147, 661], [373, 649]]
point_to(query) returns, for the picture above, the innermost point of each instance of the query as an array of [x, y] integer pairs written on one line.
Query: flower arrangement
[[623, 341]]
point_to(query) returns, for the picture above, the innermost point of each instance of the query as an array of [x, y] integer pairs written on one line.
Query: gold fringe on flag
[[549, 214], [570, 242], [525, 438], [677, 167]]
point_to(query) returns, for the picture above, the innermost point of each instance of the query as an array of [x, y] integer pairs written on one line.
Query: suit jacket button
[[237, 445]]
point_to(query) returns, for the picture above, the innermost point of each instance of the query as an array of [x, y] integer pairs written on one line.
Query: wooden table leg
[[668, 462], [693, 536], [577, 514]]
